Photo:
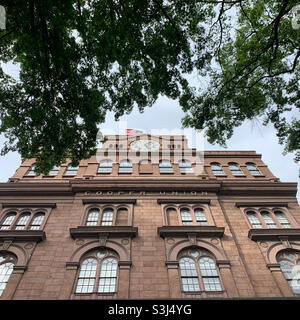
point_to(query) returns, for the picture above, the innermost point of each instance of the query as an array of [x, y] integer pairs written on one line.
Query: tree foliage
[[82, 58]]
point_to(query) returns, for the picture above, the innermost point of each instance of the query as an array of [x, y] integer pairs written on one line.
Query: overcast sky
[[166, 114]]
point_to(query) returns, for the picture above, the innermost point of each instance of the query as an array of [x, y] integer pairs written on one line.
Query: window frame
[[102, 207], [165, 168], [19, 213], [187, 168], [252, 171], [282, 255], [186, 253], [106, 169], [12, 259], [233, 171], [30, 172], [125, 169], [219, 171], [271, 211], [192, 208], [71, 169], [92, 254]]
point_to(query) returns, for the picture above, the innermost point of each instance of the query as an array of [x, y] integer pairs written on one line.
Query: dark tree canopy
[[82, 58]]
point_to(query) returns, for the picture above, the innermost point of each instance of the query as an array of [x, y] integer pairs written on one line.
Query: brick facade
[[148, 240]]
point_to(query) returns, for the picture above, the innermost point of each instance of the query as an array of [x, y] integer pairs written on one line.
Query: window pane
[[165, 166], [107, 217], [282, 219], [71, 171], [54, 171], [200, 217], [105, 166], [185, 166], [216, 169], [235, 169], [92, 219], [7, 221], [31, 172], [186, 217], [37, 221], [254, 220], [87, 276], [189, 278], [21, 223], [209, 274], [125, 166], [108, 275], [268, 220], [5, 272], [253, 169]]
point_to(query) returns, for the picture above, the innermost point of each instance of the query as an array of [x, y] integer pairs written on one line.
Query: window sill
[[22, 235], [274, 234], [98, 231], [183, 231]]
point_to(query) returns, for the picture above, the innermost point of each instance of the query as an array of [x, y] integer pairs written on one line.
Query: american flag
[[133, 132]]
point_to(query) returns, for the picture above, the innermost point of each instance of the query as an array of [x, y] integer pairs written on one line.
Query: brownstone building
[[141, 219]]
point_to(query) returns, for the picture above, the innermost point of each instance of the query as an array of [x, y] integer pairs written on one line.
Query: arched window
[[235, 169], [107, 217], [209, 274], [200, 217], [185, 166], [282, 219], [198, 271], [105, 166], [194, 216], [92, 217], [7, 262], [54, 171], [216, 169], [37, 221], [7, 221], [125, 166], [165, 166], [71, 171], [189, 276], [31, 172], [22, 221], [253, 219], [268, 219], [186, 217], [253, 169], [98, 273], [289, 262], [122, 217]]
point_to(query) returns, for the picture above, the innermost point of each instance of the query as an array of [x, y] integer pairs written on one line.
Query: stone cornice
[[103, 231], [22, 235], [198, 231], [221, 187], [274, 234]]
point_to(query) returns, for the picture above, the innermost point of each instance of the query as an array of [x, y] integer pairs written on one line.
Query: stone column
[[174, 281], [123, 282], [227, 279]]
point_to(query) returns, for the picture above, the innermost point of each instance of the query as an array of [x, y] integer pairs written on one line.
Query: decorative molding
[[29, 205], [191, 201], [103, 231], [274, 234], [261, 204], [91, 201], [187, 231]]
